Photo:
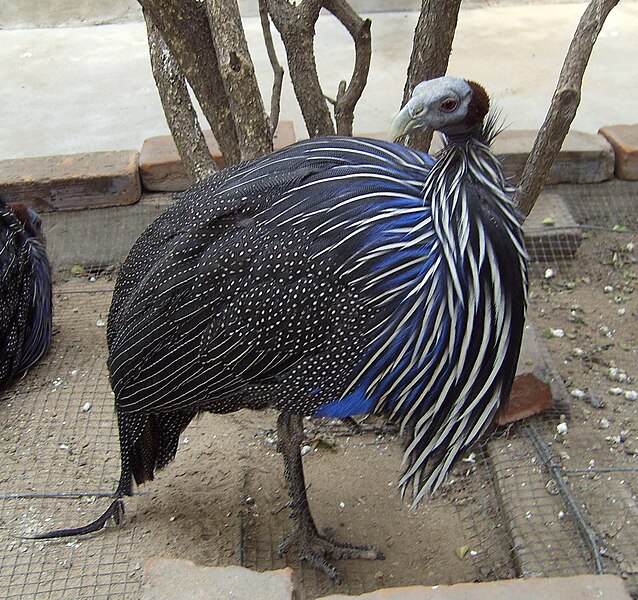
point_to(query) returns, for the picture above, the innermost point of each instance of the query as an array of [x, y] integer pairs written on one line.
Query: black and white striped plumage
[[336, 277], [25, 291]]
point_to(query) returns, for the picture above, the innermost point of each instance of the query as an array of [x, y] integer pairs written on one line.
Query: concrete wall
[[23, 14]]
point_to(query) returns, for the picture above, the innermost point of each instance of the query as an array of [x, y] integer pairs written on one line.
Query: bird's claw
[[316, 549]]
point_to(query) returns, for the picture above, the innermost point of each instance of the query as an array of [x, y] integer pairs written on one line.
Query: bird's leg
[[315, 548]]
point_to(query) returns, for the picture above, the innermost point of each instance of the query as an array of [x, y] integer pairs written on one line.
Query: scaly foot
[[316, 549]]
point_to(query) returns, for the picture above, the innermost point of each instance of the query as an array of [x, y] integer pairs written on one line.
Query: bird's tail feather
[[115, 511], [147, 442]]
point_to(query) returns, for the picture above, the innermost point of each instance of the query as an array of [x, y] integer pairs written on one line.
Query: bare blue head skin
[[450, 105]]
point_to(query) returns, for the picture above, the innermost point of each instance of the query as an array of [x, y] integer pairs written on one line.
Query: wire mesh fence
[[533, 500]]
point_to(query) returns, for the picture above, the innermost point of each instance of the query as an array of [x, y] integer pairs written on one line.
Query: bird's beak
[[402, 125]]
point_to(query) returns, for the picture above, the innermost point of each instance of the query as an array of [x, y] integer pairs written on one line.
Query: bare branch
[[563, 106], [178, 108], [278, 70], [347, 97], [184, 27], [431, 47], [238, 77], [296, 25]]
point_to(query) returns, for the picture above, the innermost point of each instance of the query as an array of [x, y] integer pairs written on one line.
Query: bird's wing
[[231, 304]]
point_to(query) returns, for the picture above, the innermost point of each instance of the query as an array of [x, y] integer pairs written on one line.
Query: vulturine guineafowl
[[25, 291], [336, 277]]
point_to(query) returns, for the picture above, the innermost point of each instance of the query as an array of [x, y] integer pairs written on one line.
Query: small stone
[[549, 273], [557, 333], [621, 312], [616, 391], [305, 450], [561, 428], [578, 352], [631, 395], [608, 289], [577, 393], [86, 407], [603, 423], [100, 323], [595, 400]]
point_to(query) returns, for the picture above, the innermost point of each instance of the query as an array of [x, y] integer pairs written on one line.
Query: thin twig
[[296, 26], [278, 70], [564, 104], [348, 95]]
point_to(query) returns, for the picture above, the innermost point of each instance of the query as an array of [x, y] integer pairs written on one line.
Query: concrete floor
[[80, 89]]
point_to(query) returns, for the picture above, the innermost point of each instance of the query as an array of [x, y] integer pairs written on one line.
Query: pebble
[[578, 352], [86, 407], [608, 289], [604, 423], [577, 393], [616, 391], [100, 323], [561, 428], [631, 395], [557, 333], [595, 400], [549, 273]]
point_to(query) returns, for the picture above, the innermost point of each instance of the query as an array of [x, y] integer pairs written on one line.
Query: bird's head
[[30, 220], [450, 105]]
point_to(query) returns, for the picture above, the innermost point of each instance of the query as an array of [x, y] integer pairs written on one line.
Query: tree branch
[[238, 77], [178, 108], [347, 97], [184, 28], [431, 47], [278, 71], [296, 25], [564, 104]]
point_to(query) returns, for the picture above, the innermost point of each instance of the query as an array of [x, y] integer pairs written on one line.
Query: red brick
[[530, 393], [624, 141], [580, 587], [161, 167], [178, 579], [583, 158], [91, 180]]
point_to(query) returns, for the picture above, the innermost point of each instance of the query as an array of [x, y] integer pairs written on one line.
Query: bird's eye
[[449, 105]]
